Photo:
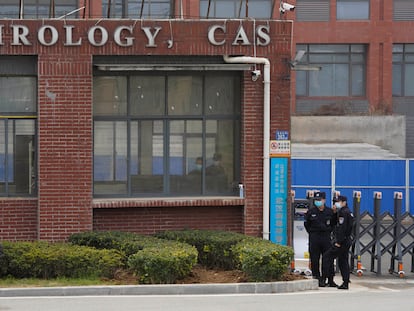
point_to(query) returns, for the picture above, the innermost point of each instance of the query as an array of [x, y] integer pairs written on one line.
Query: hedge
[[214, 247], [260, 259], [152, 259], [51, 260]]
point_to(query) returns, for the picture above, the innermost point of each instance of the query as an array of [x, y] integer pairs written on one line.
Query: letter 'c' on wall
[[212, 32]]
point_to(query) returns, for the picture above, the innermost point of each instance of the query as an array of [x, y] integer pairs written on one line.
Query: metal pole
[[397, 233], [376, 251], [356, 247]]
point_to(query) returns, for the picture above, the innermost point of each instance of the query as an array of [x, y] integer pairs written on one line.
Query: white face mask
[[338, 205]]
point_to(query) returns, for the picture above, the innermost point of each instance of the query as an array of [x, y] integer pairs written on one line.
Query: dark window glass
[[179, 137], [136, 9], [403, 70], [34, 9], [236, 9], [352, 9], [342, 74]]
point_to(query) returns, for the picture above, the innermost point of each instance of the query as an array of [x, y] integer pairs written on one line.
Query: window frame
[[167, 120], [37, 6], [121, 9], [402, 56], [346, 9], [239, 11], [10, 125], [350, 55]]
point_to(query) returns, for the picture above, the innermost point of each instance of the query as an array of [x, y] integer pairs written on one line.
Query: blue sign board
[[282, 135], [278, 200]]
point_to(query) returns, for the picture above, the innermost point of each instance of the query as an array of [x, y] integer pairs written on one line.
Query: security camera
[[256, 74], [284, 6]]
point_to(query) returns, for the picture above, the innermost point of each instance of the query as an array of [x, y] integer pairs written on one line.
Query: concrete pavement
[[210, 289], [168, 289]]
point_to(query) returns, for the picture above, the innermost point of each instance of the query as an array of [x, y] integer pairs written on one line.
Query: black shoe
[[343, 286], [322, 283], [332, 284]]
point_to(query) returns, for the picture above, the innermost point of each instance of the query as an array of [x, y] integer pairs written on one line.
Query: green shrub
[[214, 247], [164, 263], [152, 259], [262, 260], [51, 260], [126, 242]]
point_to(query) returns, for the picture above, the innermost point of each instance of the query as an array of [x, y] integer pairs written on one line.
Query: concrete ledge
[[173, 289]]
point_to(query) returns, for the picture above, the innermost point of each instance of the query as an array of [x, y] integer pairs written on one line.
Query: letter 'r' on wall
[[20, 35]]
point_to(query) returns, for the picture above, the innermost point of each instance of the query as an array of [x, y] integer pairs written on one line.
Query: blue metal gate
[[348, 175]]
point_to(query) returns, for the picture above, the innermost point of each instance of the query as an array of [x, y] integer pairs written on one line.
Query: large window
[[17, 134], [137, 8], [236, 8], [342, 74], [34, 9], [166, 134], [403, 70], [352, 9]]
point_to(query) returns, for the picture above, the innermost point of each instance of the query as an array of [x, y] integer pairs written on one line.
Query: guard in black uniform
[[341, 244], [318, 224]]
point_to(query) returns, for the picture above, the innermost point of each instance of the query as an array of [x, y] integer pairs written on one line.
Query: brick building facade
[[67, 57]]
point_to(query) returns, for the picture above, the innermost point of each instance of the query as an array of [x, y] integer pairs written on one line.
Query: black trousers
[[342, 253], [319, 243]]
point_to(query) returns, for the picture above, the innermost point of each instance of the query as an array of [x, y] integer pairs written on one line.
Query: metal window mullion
[[403, 73], [307, 73], [114, 150], [166, 134], [203, 154], [203, 135], [350, 63], [128, 157], [166, 158], [333, 173], [129, 186], [6, 156]]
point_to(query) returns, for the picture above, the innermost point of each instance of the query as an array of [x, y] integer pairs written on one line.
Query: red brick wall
[[150, 220], [18, 219], [64, 203], [64, 144]]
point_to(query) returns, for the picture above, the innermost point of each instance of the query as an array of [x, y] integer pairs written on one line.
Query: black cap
[[340, 198], [319, 195]]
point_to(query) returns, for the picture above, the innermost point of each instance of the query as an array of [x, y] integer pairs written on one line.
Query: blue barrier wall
[[367, 176]]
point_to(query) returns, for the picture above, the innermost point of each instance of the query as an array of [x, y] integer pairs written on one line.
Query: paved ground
[[367, 281]]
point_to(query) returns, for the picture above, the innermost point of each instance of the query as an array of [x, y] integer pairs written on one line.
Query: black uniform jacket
[[319, 221], [344, 223]]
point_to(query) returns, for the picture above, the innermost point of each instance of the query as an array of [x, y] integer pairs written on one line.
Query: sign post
[[279, 155]]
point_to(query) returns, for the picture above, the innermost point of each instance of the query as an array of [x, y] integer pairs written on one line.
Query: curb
[[173, 289]]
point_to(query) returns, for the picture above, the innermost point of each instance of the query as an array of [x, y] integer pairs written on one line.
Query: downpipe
[[266, 131]]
